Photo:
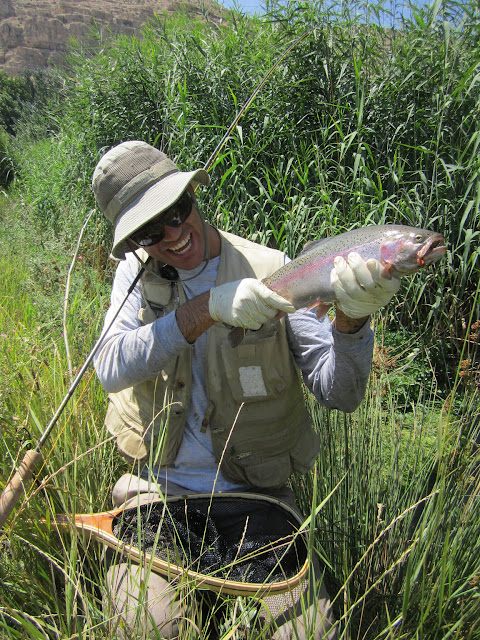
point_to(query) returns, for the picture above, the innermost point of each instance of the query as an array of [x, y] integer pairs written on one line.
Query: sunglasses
[[176, 215]]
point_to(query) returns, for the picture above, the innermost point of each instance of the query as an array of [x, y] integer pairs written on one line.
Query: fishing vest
[[261, 431]]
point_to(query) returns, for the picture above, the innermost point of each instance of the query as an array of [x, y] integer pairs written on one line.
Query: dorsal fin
[[308, 246]]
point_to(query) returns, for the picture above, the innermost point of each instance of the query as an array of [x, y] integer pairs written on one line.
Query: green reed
[[394, 493], [359, 125], [370, 119]]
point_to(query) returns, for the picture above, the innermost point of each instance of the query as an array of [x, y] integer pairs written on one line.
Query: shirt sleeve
[[131, 352], [335, 366]]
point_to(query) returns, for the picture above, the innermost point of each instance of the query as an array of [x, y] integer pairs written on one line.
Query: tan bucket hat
[[134, 183]]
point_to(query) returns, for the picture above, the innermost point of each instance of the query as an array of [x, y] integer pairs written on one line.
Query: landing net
[[240, 539]]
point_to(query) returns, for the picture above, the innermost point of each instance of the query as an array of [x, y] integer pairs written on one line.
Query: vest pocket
[[264, 472], [246, 370], [305, 451], [269, 444]]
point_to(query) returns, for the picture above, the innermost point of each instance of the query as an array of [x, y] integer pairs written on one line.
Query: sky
[[258, 6], [248, 6]]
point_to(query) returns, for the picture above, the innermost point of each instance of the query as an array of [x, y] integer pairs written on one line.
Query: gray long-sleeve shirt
[[335, 366]]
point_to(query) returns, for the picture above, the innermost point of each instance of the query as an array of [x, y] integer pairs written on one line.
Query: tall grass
[[397, 531], [42, 577], [373, 118]]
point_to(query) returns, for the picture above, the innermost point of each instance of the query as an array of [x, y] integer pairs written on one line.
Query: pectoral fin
[[321, 309], [236, 336]]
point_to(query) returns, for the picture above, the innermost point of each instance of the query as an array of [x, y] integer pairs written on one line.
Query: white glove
[[360, 287], [246, 303]]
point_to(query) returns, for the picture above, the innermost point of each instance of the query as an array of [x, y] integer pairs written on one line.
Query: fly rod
[[15, 487], [218, 148]]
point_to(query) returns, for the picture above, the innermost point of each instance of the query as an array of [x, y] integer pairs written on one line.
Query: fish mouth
[[433, 249]]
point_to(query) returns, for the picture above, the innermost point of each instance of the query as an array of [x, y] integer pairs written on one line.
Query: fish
[[305, 281]]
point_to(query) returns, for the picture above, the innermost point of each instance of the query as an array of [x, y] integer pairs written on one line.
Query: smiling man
[[236, 418]]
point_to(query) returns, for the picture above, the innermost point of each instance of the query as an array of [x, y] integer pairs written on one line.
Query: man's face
[[182, 247]]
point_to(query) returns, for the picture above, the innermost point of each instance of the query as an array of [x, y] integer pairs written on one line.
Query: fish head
[[405, 250]]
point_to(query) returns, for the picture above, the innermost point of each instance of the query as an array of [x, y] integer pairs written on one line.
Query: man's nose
[[172, 233]]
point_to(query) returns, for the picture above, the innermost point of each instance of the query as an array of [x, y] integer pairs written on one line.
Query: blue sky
[[248, 6], [257, 6]]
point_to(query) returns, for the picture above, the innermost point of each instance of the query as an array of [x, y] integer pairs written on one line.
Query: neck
[[214, 241]]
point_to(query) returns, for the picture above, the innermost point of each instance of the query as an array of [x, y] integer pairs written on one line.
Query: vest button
[[180, 385]]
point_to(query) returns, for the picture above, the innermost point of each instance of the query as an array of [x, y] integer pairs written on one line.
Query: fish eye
[[418, 238]]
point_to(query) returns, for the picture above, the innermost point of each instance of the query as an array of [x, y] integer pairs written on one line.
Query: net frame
[[101, 525]]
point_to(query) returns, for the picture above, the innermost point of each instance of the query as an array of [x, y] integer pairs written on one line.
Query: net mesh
[[244, 540]]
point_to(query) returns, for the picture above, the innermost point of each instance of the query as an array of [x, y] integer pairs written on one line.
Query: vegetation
[[372, 117]]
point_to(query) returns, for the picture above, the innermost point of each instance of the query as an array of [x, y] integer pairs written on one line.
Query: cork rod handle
[[16, 487]]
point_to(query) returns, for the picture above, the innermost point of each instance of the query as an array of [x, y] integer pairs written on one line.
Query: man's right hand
[[246, 303]]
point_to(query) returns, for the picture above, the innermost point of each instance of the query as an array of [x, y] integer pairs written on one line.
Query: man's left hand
[[360, 286]]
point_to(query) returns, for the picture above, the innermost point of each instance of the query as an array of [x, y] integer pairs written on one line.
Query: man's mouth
[[183, 246]]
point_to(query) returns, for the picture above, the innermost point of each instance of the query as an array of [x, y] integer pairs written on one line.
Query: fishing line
[[209, 163]]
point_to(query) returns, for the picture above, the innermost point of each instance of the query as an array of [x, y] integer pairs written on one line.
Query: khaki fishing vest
[[261, 431]]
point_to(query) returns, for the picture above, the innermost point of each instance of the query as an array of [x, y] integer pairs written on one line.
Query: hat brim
[[150, 204]]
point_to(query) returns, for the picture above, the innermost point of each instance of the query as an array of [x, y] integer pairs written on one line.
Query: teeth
[[178, 248]]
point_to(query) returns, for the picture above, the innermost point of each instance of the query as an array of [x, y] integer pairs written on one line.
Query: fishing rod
[[15, 488], [218, 148]]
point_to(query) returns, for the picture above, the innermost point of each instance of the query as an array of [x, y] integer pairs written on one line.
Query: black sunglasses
[[176, 215]]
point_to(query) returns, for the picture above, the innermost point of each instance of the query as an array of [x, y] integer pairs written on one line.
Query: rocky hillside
[[35, 34]]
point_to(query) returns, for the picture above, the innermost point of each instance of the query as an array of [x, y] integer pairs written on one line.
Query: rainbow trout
[[305, 281]]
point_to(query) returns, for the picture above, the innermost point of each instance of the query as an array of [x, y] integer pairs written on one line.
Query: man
[[196, 414]]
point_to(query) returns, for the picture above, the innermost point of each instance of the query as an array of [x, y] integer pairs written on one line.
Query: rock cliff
[[36, 34]]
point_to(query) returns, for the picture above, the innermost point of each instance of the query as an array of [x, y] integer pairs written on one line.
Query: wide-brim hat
[[134, 183]]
